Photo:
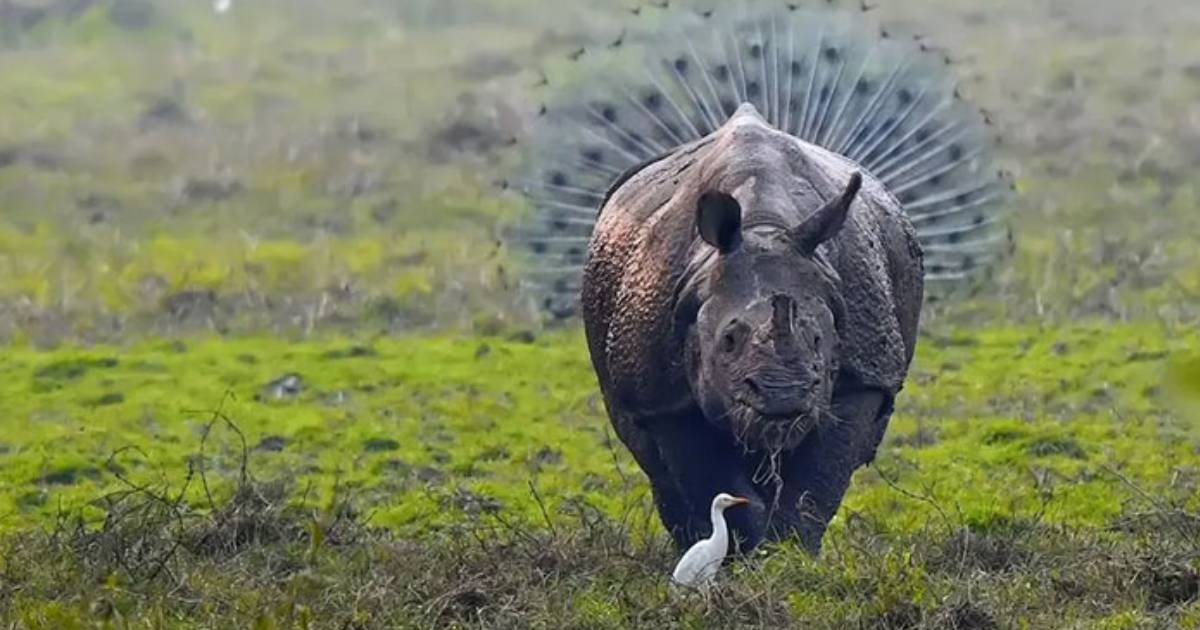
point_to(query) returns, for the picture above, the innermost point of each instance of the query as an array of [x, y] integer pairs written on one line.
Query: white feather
[[698, 567]]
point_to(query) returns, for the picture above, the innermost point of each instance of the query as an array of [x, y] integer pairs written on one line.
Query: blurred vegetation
[[292, 165], [270, 168]]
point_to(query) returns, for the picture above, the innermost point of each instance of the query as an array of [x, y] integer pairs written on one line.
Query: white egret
[[699, 565]]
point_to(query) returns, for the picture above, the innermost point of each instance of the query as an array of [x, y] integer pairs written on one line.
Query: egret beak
[[741, 501]]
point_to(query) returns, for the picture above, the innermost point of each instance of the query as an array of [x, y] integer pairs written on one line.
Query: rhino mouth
[[773, 432]]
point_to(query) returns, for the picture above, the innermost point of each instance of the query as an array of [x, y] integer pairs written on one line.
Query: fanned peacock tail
[[823, 72]]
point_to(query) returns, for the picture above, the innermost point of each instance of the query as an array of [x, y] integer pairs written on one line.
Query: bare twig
[[612, 451], [542, 506], [927, 498]]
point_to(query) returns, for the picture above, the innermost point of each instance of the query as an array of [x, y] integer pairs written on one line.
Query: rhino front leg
[[673, 509], [703, 462], [817, 474]]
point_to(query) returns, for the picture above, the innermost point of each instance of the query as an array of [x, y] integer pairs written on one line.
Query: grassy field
[[294, 166], [265, 363], [1033, 477]]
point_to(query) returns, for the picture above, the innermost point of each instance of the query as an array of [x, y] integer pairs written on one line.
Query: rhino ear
[[825, 223], [719, 219]]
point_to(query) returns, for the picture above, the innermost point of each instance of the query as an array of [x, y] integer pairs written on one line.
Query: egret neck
[[720, 535]]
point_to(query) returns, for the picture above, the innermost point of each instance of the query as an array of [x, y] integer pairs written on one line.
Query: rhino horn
[[825, 223], [782, 317]]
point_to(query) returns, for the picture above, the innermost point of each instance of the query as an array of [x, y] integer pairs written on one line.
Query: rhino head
[[762, 328]]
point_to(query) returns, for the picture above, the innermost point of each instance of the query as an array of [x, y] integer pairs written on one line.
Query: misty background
[[295, 165]]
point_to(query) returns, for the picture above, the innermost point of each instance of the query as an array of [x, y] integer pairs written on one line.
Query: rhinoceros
[[751, 305], [747, 230]]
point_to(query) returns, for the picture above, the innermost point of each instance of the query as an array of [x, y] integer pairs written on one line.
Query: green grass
[[1040, 446], [985, 414], [384, 419]]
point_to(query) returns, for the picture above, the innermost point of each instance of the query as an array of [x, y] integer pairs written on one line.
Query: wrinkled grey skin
[[751, 314]]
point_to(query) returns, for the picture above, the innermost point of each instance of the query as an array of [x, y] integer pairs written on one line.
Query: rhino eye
[[817, 341], [731, 340]]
